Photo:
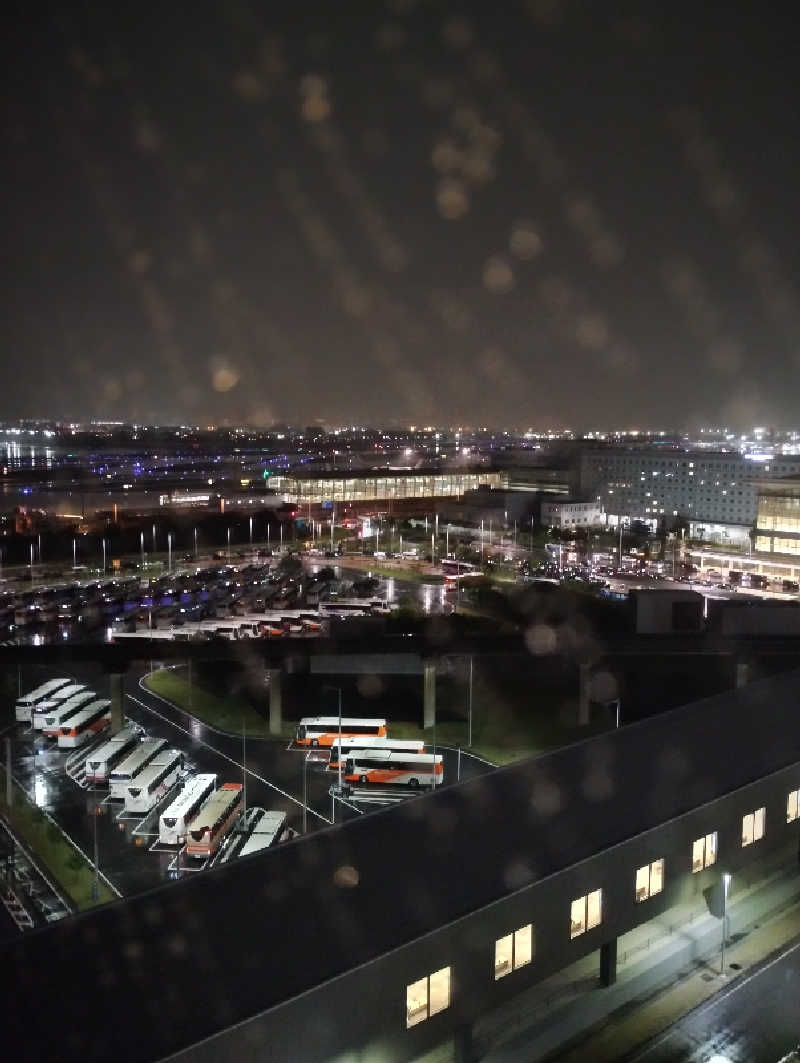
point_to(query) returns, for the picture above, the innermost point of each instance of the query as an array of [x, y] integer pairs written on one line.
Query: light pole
[[251, 531], [481, 541], [154, 538], [40, 547], [469, 708], [31, 563], [74, 552], [195, 544], [433, 549], [726, 881], [95, 884], [268, 531], [305, 793], [229, 544], [447, 541], [169, 551], [339, 769], [141, 546], [104, 557]]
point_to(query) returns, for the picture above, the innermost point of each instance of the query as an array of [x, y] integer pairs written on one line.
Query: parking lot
[[278, 776]]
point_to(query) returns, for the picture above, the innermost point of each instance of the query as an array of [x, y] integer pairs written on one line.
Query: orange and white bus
[[376, 767], [56, 717], [89, 721], [214, 820], [325, 730], [348, 745], [26, 703], [45, 708]]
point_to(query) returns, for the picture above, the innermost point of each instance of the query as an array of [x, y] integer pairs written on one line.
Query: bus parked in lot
[[173, 824], [133, 765], [214, 820], [376, 767], [25, 704], [54, 701], [102, 760], [59, 715], [147, 789], [265, 829], [325, 730], [404, 745], [79, 728]]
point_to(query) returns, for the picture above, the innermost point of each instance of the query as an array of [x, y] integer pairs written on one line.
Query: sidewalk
[[665, 968]]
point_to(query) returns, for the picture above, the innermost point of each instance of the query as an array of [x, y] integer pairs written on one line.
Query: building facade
[[778, 517], [383, 486], [648, 484], [568, 513]]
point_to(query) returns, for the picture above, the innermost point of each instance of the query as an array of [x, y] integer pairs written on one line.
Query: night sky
[[542, 213]]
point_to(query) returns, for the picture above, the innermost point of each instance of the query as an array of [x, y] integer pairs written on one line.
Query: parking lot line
[[219, 753]]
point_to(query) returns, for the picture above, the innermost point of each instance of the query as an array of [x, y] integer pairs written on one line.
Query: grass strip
[[65, 864]]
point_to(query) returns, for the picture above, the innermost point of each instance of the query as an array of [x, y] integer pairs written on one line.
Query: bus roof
[[142, 752], [193, 786], [88, 711], [108, 747], [380, 754], [215, 803], [166, 759], [332, 722], [375, 742], [42, 691]]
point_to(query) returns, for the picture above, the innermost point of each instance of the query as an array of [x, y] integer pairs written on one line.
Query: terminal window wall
[[649, 880], [753, 826], [781, 514], [513, 951], [427, 997], [704, 852], [793, 806], [586, 913]]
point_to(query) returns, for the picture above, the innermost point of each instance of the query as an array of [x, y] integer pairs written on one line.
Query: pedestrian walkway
[[665, 968]]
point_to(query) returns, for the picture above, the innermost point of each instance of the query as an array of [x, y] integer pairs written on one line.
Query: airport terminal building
[[395, 932]]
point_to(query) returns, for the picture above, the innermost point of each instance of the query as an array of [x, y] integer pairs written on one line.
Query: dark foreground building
[[389, 934]]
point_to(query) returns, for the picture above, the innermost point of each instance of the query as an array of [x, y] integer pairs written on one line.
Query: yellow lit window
[[586, 913], [793, 806], [649, 880], [427, 997], [513, 951], [704, 852]]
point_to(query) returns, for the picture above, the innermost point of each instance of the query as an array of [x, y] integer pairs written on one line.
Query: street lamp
[[251, 531], [726, 881], [195, 544], [169, 551], [339, 770], [305, 792], [74, 552], [104, 557], [154, 538], [141, 546], [229, 543]]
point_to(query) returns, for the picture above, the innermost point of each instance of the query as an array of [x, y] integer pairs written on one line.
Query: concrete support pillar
[[742, 673], [275, 700], [115, 693], [9, 784], [585, 677], [608, 963], [429, 695], [462, 1044]]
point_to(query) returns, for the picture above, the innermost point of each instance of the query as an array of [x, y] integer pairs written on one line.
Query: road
[[755, 1020]]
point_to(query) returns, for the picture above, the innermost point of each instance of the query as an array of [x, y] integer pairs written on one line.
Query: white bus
[[265, 829], [324, 730], [76, 730], [404, 745], [55, 718], [214, 819], [102, 760], [374, 767], [54, 701], [147, 789], [26, 703], [133, 765], [173, 824]]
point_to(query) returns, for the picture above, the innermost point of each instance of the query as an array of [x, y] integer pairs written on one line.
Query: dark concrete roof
[[141, 978]]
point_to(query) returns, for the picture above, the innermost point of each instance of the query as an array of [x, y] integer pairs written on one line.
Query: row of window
[[517, 949]]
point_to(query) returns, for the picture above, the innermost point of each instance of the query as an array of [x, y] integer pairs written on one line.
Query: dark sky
[[536, 213]]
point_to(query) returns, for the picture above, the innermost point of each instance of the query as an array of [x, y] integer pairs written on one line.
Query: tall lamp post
[[104, 557], [305, 793], [726, 881], [339, 769]]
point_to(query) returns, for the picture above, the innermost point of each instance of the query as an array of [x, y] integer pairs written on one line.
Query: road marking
[[219, 752]]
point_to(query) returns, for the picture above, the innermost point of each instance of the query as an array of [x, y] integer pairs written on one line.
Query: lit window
[[753, 827], [649, 880], [704, 852], [793, 806], [513, 951], [427, 997], [586, 913]]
